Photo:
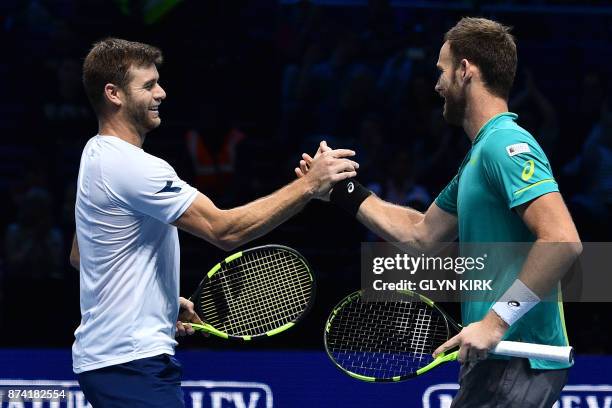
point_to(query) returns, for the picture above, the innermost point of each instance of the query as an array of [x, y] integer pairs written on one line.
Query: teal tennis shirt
[[505, 168]]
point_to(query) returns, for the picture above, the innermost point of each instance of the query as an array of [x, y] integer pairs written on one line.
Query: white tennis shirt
[[130, 256]]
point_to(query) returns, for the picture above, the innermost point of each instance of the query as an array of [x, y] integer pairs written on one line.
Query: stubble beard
[[139, 117], [454, 111], [455, 104]]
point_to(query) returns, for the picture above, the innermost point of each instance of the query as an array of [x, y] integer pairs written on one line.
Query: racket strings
[[253, 291], [257, 293], [251, 300], [385, 339], [251, 297]]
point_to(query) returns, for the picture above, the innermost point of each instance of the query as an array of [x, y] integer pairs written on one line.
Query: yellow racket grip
[[208, 329]]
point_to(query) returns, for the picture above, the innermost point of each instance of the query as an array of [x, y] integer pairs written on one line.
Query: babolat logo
[[198, 394], [574, 396]]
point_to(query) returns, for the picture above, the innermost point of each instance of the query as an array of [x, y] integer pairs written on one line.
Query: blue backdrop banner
[[286, 379]]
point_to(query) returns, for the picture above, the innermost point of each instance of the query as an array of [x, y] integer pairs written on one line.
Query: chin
[[154, 124], [445, 115]]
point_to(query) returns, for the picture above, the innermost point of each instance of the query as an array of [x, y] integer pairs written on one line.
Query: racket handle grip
[[529, 350]]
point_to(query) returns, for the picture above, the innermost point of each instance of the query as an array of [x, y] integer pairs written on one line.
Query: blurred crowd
[[252, 85]]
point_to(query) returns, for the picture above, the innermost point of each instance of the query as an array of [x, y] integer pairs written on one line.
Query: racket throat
[[441, 359]]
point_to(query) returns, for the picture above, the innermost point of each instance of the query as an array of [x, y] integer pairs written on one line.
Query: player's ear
[[466, 71], [113, 94]]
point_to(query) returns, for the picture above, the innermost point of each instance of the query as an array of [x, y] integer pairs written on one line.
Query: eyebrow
[[150, 82]]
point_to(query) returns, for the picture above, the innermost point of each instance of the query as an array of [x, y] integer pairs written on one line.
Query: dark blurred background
[[253, 84]]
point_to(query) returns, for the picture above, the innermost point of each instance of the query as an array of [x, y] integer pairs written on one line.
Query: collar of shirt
[[492, 122]]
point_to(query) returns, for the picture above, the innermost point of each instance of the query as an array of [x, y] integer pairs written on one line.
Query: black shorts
[[508, 383]]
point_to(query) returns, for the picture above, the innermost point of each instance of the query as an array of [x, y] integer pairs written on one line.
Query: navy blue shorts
[[148, 382]]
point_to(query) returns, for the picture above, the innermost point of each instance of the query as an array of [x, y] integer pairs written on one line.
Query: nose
[[438, 87], [161, 94]]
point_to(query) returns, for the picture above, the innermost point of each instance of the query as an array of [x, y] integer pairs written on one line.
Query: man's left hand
[[187, 315], [475, 340]]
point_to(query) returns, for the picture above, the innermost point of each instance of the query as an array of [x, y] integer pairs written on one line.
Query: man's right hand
[[326, 168], [306, 161]]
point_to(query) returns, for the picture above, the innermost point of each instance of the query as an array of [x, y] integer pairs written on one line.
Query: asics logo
[[350, 187], [528, 170]]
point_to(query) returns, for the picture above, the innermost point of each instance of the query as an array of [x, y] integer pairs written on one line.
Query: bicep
[[547, 217], [201, 219]]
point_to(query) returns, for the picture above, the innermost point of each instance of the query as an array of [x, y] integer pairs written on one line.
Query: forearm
[[556, 247], [257, 218], [546, 264], [392, 222], [232, 228]]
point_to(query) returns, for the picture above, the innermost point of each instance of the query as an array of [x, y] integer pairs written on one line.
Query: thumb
[[196, 319], [192, 316], [451, 343]]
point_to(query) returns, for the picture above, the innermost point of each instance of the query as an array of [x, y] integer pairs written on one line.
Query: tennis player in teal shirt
[[504, 169], [504, 191]]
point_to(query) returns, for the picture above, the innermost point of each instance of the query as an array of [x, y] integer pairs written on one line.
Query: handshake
[[325, 169], [329, 177]]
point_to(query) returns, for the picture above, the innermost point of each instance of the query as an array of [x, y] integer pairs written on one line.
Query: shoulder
[[507, 142], [128, 171], [129, 162]]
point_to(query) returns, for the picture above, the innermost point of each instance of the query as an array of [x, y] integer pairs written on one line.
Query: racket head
[[388, 338], [255, 293]]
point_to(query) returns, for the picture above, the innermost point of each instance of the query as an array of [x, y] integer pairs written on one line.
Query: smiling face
[[143, 95], [449, 88]]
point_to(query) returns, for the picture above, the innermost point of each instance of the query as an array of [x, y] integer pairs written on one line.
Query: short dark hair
[[488, 45], [109, 61]]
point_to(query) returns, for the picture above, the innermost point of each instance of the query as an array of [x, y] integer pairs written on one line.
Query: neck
[[481, 107], [124, 130]]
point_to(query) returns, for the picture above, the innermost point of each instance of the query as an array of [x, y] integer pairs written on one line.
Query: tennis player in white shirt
[[129, 205]]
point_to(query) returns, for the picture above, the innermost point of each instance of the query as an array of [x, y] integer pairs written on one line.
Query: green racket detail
[[389, 337], [255, 293]]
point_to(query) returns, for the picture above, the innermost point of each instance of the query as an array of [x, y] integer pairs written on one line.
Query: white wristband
[[517, 301]]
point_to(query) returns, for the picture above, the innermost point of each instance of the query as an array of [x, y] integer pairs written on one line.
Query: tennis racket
[[255, 293], [392, 339]]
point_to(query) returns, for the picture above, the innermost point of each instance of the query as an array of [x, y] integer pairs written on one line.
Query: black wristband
[[348, 194]]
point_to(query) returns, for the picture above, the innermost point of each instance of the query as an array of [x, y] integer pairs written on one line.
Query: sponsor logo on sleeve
[[169, 189], [517, 148], [528, 170]]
